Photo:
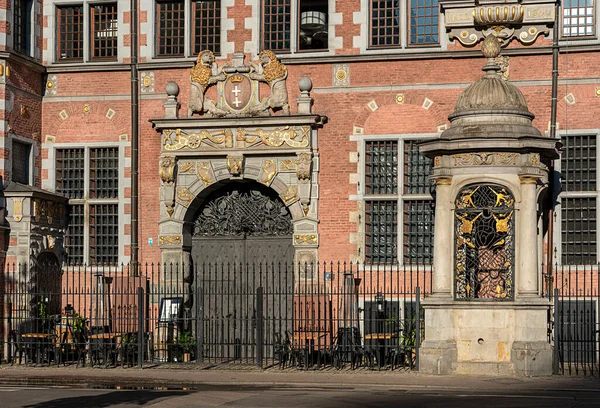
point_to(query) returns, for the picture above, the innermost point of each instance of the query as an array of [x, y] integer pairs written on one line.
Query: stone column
[[527, 244], [442, 238]]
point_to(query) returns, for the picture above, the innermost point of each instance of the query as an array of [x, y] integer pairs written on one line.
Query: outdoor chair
[[282, 350], [20, 347]]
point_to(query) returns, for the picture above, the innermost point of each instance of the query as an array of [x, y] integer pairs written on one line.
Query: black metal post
[[260, 335], [134, 136], [140, 336], [555, 330], [551, 186], [418, 326]]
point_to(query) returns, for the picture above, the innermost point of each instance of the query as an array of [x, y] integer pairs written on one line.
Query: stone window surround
[[294, 30], [400, 196], [557, 250], [33, 153], [124, 162], [579, 37], [363, 41], [50, 11]]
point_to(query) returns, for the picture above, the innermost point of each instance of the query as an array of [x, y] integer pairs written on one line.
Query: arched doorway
[[242, 222], [242, 254]]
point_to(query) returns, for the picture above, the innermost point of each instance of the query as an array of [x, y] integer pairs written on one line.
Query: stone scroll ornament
[[274, 73], [524, 23], [202, 77]]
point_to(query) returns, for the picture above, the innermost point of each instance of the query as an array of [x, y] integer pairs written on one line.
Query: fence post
[[199, 325], [555, 330], [259, 326], [418, 326], [140, 336]]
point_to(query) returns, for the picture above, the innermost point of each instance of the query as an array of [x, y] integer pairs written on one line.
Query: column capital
[[443, 181], [529, 179]]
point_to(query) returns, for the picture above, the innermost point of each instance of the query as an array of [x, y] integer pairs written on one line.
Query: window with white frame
[[100, 20], [295, 25], [23, 33], [578, 199], [89, 177], [171, 35], [399, 209], [578, 18], [387, 22]]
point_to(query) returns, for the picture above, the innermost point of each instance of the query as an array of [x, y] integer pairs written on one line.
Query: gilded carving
[[51, 241], [177, 139], [437, 161], [235, 165], [290, 195], [274, 73], [268, 171], [173, 240], [184, 197], [205, 173], [485, 159], [167, 169], [201, 77], [287, 165], [303, 167], [186, 167], [305, 239], [18, 209], [297, 136], [534, 158]]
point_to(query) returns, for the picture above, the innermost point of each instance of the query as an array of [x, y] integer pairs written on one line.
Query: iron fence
[[305, 316], [574, 325]]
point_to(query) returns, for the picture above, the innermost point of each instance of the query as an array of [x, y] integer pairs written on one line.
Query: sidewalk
[[157, 377]]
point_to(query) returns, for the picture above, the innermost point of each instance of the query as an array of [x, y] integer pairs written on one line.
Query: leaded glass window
[[22, 26], [170, 28], [207, 26], [578, 200], [579, 233], [90, 178], [381, 167], [484, 243], [21, 162], [578, 18], [397, 185], [381, 229], [385, 23], [104, 31], [70, 32], [424, 24], [277, 24]]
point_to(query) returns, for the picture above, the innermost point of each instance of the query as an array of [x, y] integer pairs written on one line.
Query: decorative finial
[[490, 48]]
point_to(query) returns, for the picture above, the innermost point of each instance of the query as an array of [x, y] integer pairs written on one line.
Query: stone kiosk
[[486, 314], [238, 141]]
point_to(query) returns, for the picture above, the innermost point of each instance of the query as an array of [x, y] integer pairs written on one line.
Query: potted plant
[[187, 344]]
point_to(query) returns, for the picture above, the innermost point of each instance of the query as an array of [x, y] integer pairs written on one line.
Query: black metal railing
[[573, 321], [305, 316]]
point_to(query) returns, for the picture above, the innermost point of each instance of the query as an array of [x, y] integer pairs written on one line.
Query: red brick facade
[[84, 94]]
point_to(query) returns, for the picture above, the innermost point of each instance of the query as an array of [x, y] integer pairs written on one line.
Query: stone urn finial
[[171, 105]]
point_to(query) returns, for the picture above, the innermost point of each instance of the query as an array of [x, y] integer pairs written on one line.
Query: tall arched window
[[484, 243]]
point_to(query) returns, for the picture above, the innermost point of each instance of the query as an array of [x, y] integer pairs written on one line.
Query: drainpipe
[[551, 185], [134, 136]]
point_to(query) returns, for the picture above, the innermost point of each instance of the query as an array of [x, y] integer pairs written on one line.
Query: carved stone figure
[[201, 76], [167, 169], [274, 73]]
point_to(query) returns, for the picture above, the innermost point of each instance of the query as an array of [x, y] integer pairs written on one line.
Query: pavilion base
[[486, 338]]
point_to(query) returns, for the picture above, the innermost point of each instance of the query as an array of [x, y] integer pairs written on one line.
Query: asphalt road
[[334, 397]]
